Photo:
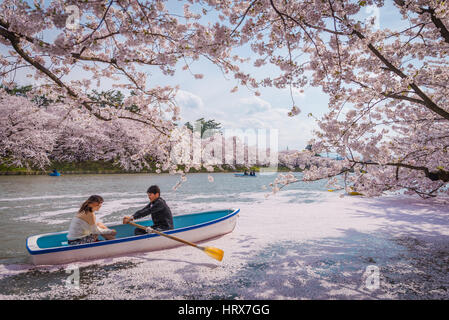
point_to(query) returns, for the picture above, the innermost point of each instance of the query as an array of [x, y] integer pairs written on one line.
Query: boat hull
[[129, 245]]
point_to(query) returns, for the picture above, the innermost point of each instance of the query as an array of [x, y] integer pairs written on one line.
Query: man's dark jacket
[[160, 214]]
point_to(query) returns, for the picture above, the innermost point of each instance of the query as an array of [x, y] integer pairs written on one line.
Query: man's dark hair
[[154, 189]]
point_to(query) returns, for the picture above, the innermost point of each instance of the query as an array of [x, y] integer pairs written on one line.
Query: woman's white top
[[80, 228]]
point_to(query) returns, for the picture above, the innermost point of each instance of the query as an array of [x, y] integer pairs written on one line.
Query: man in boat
[[157, 208]]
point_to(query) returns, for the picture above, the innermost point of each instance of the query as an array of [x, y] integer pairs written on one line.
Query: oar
[[210, 251]]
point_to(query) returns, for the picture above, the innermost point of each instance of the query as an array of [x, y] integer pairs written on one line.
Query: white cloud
[[254, 105], [191, 105], [293, 132], [186, 99]]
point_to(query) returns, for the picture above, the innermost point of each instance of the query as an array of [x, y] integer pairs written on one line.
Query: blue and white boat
[[52, 248]]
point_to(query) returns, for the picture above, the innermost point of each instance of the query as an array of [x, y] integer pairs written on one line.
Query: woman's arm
[[101, 225], [102, 229]]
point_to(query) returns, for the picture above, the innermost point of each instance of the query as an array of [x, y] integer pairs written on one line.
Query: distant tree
[[106, 98], [189, 126], [34, 135], [23, 91], [206, 128], [18, 90]]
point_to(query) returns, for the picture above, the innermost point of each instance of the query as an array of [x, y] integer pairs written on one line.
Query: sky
[[211, 97]]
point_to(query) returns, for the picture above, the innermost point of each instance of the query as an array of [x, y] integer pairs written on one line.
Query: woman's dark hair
[[154, 189], [85, 207]]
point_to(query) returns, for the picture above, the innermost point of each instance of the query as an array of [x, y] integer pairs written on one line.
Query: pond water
[[303, 243], [32, 205]]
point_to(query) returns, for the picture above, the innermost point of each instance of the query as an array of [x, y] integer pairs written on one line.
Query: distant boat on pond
[[252, 173], [54, 173]]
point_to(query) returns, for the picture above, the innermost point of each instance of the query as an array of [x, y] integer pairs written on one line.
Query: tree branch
[[427, 101], [442, 175], [15, 42]]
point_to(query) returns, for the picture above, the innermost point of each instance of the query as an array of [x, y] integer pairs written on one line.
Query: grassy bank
[[66, 168], [103, 167]]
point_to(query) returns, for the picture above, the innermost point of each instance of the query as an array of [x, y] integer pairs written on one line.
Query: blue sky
[[211, 97]]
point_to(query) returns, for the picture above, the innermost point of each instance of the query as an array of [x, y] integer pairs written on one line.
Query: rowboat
[[52, 248], [243, 175]]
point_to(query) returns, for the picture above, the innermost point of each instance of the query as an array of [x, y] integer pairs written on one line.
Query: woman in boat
[[84, 228]]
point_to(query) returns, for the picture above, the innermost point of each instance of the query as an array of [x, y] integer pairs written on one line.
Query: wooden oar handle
[[137, 225], [165, 235]]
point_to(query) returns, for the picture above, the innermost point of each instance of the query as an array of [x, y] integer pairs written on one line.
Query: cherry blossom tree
[[36, 132], [388, 107], [117, 40], [26, 131], [34, 135]]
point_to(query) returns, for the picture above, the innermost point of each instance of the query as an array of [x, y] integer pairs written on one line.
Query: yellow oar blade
[[214, 253]]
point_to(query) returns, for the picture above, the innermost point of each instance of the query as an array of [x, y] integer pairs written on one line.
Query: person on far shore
[[84, 228], [157, 208]]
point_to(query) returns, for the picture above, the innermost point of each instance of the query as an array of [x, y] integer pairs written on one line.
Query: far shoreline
[[107, 168]]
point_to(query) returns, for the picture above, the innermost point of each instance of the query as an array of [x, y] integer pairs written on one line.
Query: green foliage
[[18, 91], [202, 126], [112, 98], [41, 100]]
